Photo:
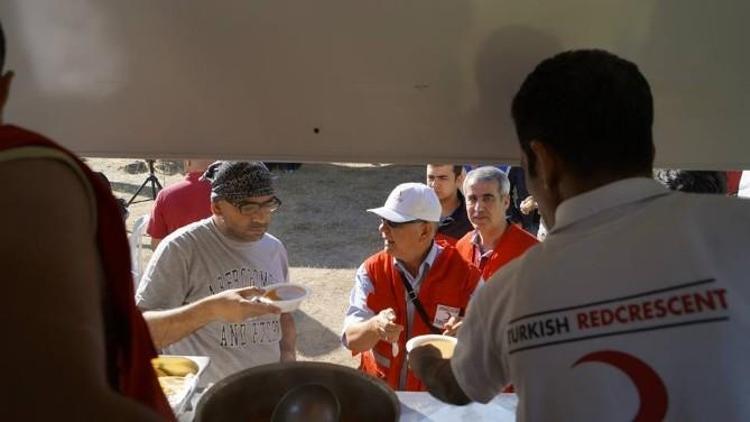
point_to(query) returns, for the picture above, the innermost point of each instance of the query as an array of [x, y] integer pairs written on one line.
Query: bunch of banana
[[174, 366]]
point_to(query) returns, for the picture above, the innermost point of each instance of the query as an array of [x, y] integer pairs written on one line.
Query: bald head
[[197, 166]]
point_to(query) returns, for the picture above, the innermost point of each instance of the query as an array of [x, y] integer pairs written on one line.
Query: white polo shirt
[[637, 304], [743, 189]]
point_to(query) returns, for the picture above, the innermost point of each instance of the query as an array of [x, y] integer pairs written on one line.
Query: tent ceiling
[[359, 81]]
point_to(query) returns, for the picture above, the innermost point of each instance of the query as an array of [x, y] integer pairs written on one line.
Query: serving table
[[422, 407]]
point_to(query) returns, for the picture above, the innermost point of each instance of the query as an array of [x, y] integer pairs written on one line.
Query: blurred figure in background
[[182, 203], [123, 204], [693, 181], [446, 180], [519, 212]]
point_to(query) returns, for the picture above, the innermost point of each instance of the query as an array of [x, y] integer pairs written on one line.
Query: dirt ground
[[322, 222]]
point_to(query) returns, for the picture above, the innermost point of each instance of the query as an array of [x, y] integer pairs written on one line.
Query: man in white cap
[[412, 287]]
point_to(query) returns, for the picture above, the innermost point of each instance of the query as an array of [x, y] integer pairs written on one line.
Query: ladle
[[310, 403]]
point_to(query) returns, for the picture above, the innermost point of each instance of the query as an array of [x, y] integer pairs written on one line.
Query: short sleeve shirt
[[638, 301], [180, 204], [197, 261]]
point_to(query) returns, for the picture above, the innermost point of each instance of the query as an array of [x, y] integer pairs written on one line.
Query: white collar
[[615, 194], [428, 260]]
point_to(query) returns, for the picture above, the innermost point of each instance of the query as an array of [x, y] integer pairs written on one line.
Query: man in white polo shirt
[[636, 305]]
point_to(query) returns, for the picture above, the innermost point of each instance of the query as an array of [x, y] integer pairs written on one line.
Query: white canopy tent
[[359, 81]]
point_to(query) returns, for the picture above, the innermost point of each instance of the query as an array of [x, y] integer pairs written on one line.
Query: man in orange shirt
[[494, 241]]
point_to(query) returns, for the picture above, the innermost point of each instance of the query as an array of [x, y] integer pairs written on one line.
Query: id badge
[[443, 313]]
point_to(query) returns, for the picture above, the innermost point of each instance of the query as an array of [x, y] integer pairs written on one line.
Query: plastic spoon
[[394, 346]]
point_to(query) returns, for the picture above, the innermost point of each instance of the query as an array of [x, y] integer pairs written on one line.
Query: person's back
[[74, 339], [635, 307], [655, 329]]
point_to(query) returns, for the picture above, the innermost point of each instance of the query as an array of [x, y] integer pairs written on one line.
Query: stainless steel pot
[[252, 395]]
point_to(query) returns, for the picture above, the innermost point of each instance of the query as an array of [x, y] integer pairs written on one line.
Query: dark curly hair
[[693, 181], [590, 107]]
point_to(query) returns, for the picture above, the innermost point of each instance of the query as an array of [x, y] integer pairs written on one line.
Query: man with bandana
[[197, 291]]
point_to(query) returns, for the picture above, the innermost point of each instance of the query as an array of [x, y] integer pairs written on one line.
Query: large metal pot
[[252, 395]]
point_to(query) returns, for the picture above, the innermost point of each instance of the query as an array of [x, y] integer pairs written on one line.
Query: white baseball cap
[[409, 202]]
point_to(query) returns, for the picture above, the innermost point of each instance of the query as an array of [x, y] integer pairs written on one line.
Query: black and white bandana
[[234, 181]]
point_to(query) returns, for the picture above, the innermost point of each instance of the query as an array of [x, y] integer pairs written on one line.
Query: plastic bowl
[[285, 296], [446, 344]]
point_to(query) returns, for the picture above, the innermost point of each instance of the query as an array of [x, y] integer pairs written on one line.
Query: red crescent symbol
[[651, 390]]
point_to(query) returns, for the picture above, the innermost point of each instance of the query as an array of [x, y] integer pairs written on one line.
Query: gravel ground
[[322, 222]]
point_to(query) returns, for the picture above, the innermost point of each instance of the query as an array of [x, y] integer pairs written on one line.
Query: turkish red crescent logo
[[651, 390]]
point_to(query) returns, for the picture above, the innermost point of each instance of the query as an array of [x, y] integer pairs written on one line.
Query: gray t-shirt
[[197, 261]]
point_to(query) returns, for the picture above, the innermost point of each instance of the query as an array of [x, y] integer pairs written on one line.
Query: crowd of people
[[629, 275]]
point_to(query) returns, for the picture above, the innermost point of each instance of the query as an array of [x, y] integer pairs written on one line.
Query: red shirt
[[180, 204], [733, 181], [512, 243]]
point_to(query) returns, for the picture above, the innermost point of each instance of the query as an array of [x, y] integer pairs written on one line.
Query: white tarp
[[361, 81]]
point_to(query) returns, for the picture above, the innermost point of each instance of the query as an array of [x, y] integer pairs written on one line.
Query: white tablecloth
[[422, 407], [419, 407]]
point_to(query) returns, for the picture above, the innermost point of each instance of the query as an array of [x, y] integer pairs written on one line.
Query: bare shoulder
[[42, 190], [51, 267]]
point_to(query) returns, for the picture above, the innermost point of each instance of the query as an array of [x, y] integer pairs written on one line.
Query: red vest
[[449, 282], [513, 242], [129, 345], [447, 240]]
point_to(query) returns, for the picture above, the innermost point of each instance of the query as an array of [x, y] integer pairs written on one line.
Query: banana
[[172, 386], [175, 366]]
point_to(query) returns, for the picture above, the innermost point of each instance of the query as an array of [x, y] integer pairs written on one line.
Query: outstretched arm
[[172, 325], [288, 342], [436, 373], [363, 336]]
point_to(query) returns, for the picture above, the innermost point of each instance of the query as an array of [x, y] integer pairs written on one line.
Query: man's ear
[[505, 199], [548, 169], [427, 231], [216, 208]]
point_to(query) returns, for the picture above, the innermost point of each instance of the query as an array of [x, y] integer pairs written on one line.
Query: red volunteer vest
[[513, 242], [447, 240], [129, 345], [449, 282]]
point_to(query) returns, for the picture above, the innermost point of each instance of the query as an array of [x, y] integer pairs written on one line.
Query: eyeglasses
[[250, 208], [395, 225]]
